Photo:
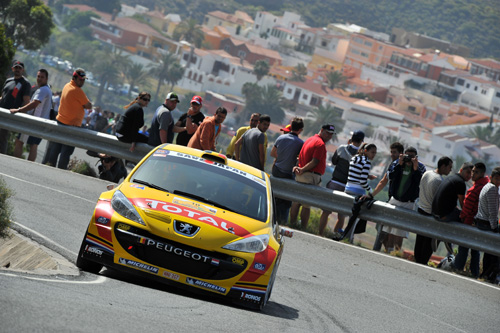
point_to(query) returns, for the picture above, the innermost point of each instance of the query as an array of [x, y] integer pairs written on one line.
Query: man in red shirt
[[311, 166], [469, 210]]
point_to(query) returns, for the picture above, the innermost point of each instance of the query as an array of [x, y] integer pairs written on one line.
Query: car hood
[[163, 211]]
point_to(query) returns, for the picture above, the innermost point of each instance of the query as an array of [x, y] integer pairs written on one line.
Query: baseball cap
[[17, 63], [172, 97], [197, 100], [358, 136], [80, 72], [286, 129], [329, 128]]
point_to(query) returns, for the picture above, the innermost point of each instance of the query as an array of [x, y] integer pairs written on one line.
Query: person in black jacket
[[127, 129]]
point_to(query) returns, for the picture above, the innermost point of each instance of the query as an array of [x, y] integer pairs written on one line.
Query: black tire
[[85, 264], [270, 285]]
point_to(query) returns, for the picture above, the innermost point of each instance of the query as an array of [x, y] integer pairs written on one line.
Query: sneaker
[[337, 236]]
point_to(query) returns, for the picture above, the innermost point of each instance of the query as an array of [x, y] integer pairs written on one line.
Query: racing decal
[[206, 285], [100, 243], [260, 267], [195, 205], [173, 249], [161, 153], [266, 256], [171, 276], [140, 187], [123, 226], [102, 215], [93, 250], [250, 297], [238, 261], [139, 265], [215, 262], [250, 288], [192, 214]]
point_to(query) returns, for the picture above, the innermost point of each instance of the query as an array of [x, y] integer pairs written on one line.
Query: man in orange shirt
[[207, 132], [71, 113]]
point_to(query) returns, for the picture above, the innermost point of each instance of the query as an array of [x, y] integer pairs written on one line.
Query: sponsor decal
[[93, 250], [238, 261], [215, 262], [161, 153], [206, 285], [250, 289], [194, 205], [140, 187], [250, 297], [175, 250], [140, 265], [171, 275], [259, 266], [100, 244], [192, 214], [103, 220], [185, 228], [123, 226]]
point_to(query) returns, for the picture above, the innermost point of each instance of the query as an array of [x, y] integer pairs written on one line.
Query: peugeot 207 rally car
[[190, 217]]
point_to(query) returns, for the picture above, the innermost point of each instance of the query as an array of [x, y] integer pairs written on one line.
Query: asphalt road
[[321, 286]]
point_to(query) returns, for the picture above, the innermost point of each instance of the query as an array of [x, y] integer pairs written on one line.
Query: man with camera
[[404, 174]]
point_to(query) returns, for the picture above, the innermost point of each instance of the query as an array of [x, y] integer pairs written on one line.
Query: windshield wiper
[[200, 198], [156, 187]]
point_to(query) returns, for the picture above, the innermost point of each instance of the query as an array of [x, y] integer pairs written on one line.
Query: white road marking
[[44, 237], [48, 188], [99, 279]]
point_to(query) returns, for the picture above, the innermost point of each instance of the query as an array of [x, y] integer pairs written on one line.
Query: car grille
[[176, 256]]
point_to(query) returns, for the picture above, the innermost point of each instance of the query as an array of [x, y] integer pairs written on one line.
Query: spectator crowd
[[470, 196]]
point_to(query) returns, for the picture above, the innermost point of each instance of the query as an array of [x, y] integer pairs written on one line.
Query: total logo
[[250, 297]]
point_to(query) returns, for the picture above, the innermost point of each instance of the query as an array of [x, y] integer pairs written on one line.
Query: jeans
[[461, 258], [62, 151], [282, 206]]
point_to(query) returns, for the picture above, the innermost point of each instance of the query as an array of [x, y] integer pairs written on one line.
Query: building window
[[324, 43], [447, 145], [305, 96], [242, 54], [460, 82], [227, 48], [467, 85], [367, 43], [497, 94], [483, 91], [475, 88]]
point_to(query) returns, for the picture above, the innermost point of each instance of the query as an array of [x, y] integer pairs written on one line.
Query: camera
[[406, 158]]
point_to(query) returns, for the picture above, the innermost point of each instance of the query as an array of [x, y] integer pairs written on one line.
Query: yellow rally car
[[190, 217]]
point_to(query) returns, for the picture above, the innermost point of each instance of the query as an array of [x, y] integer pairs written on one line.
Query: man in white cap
[[162, 126]]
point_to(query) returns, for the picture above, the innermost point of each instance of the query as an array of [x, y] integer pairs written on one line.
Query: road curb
[[21, 254]]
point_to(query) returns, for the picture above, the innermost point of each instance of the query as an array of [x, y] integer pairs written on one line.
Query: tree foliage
[[78, 20], [323, 115], [264, 100], [136, 75], [163, 69], [107, 6], [336, 80], [27, 22], [189, 31], [299, 73], [261, 69], [7, 52]]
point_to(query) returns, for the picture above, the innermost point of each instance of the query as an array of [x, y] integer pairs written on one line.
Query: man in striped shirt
[[487, 216]]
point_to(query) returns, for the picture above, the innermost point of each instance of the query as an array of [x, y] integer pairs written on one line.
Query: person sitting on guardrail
[[286, 149], [311, 166], [127, 128], [469, 211], [15, 93], [428, 186], [39, 106], [341, 159], [387, 240], [71, 113], [487, 219], [405, 175]]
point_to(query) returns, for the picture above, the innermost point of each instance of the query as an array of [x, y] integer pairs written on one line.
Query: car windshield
[[206, 181]]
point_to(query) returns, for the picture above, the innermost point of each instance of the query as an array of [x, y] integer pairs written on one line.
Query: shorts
[[31, 140], [308, 178]]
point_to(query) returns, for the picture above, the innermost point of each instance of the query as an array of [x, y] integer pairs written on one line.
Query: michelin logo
[[206, 285], [140, 265]]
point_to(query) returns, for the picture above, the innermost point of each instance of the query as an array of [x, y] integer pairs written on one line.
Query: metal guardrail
[[380, 212]]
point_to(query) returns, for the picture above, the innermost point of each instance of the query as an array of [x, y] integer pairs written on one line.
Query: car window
[[240, 192]]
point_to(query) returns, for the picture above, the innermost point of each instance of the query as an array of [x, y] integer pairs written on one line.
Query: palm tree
[[299, 73], [271, 99], [189, 31], [261, 69], [481, 133], [107, 68], [336, 80], [175, 73], [161, 70], [324, 115], [136, 75]]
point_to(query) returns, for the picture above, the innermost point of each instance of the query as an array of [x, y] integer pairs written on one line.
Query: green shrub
[[81, 167], [5, 208]]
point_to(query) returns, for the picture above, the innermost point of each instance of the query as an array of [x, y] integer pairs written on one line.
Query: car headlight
[[252, 244], [124, 207]]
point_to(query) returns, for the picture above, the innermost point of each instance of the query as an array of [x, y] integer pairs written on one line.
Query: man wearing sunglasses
[[188, 123], [71, 113]]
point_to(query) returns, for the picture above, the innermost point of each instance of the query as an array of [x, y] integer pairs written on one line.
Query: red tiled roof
[[490, 63]]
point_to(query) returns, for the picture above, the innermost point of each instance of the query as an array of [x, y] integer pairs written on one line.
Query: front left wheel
[[85, 264]]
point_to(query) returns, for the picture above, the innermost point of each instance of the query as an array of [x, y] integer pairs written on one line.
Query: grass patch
[[81, 167]]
